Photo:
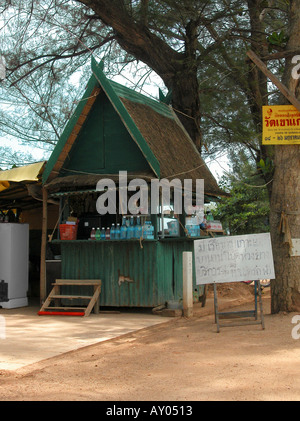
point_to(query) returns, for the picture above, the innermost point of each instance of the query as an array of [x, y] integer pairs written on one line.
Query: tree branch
[[137, 39], [54, 57]]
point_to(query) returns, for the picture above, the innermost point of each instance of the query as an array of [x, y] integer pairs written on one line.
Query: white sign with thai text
[[234, 259]]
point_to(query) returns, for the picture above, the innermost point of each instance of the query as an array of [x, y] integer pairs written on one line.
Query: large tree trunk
[[185, 87], [285, 290]]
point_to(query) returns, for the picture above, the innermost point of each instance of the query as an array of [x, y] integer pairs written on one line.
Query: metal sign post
[[241, 314]]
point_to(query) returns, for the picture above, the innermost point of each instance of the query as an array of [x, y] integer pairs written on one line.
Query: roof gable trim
[[71, 131], [126, 118]]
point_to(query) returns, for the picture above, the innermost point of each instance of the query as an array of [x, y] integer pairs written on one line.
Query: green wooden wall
[[104, 145], [153, 274]]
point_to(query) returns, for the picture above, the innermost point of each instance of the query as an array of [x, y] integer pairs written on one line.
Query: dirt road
[[180, 360]]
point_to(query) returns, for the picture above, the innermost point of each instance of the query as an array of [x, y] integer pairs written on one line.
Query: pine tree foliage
[[246, 210], [196, 47]]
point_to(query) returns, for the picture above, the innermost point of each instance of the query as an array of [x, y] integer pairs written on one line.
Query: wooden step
[[77, 282], [55, 294], [64, 308]]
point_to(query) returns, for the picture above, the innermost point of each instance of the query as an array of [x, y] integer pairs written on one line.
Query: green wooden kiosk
[[116, 129]]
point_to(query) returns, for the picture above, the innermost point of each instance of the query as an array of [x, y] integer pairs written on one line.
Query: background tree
[[44, 48], [246, 210]]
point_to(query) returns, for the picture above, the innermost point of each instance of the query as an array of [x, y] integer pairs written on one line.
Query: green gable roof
[[124, 92], [113, 91], [152, 125]]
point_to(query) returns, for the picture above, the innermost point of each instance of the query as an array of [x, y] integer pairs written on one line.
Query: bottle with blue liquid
[[118, 232], [148, 230], [123, 229], [112, 232], [130, 229], [102, 234], [138, 229]]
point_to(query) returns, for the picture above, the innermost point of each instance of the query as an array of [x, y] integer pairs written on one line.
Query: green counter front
[[133, 273]]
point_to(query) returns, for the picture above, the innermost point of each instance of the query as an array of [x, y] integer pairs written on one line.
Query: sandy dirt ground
[[184, 359]]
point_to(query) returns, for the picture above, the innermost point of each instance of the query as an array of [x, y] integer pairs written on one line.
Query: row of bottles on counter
[[127, 231]]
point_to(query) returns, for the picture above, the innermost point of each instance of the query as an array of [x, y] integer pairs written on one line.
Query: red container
[[68, 232]]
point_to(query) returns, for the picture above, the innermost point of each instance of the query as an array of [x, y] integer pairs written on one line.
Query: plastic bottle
[[194, 233], [151, 231], [112, 232], [193, 227], [123, 230], [93, 233], [148, 230], [117, 232], [130, 230], [144, 232], [98, 234], [188, 230], [102, 235], [138, 228], [107, 234]]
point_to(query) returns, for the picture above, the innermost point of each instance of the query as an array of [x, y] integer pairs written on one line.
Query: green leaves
[[266, 167], [246, 211], [277, 39]]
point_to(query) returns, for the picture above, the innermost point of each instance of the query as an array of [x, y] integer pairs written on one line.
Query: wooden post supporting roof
[[43, 291]]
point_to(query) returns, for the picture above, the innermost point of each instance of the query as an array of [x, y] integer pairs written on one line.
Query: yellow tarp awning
[[27, 173], [4, 185]]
